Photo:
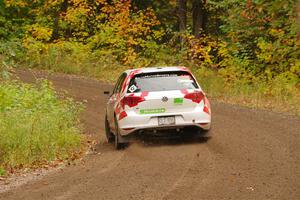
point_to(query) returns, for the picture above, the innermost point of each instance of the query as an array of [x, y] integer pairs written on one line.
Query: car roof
[[156, 69]]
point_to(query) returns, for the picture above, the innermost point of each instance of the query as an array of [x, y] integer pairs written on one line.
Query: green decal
[[178, 101], [152, 111]]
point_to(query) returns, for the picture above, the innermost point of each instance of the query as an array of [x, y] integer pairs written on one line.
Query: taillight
[[131, 101], [205, 109], [206, 106], [196, 96]]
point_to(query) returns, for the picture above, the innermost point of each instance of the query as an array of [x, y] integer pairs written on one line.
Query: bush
[[36, 126], [281, 94], [10, 53]]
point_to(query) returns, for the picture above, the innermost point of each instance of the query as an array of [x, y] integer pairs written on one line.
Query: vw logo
[[164, 99]]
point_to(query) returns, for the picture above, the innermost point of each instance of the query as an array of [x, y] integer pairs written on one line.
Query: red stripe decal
[[129, 77], [126, 82], [122, 115], [185, 91], [118, 109], [128, 129], [203, 124], [184, 69], [144, 94]]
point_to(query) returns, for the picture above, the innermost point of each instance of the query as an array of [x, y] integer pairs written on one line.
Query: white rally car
[[151, 99]]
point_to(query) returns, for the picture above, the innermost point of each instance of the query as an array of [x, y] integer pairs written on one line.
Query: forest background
[[242, 51]]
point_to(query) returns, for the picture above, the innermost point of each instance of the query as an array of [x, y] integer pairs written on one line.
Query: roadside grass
[[276, 96], [36, 126], [74, 58]]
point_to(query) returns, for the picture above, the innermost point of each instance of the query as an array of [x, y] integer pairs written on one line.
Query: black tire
[[206, 133], [109, 135], [118, 144]]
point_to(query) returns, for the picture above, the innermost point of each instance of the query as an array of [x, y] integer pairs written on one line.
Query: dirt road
[[252, 155]]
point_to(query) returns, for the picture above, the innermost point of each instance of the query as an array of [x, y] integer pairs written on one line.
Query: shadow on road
[[163, 139], [184, 138]]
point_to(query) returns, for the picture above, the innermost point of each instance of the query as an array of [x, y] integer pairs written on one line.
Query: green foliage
[[72, 58], [247, 47], [2, 172], [260, 36], [10, 52], [126, 33], [279, 95], [243, 38], [35, 125]]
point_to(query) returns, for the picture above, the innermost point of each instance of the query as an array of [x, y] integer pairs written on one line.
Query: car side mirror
[[106, 92]]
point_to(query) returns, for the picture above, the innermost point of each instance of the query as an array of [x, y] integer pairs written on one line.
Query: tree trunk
[[182, 14], [63, 8], [199, 17], [298, 18]]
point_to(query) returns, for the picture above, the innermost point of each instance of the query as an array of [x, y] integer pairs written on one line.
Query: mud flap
[[123, 139]]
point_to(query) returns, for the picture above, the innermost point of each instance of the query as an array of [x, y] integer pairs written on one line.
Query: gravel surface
[[252, 154]]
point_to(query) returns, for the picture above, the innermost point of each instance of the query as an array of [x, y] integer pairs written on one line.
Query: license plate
[[166, 120]]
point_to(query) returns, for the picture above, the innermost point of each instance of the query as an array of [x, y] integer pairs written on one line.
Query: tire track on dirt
[[187, 179], [75, 189]]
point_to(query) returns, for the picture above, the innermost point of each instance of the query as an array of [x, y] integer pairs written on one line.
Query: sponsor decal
[[178, 101], [152, 111], [132, 88]]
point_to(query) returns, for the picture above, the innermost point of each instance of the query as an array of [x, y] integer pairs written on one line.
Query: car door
[[113, 100]]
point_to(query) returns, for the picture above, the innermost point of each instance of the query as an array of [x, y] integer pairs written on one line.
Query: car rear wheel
[[204, 132], [109, 135], [118, 144]]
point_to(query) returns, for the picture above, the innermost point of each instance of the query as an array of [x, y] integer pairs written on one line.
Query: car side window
[[116, 85], [119, 83], [123, 76]]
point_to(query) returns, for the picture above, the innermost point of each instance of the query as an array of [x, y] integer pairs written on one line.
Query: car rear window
[[161, 81]]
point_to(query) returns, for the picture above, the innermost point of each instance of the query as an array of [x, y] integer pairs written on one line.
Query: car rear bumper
[[135, 122]]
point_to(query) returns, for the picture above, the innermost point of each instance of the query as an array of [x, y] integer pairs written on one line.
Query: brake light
[[131, 101], [205, 109], [196, 96], [206, 106]]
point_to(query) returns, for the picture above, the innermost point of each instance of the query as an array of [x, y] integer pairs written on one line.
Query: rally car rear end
[[160, 110], [164, 99], [154, 99]]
